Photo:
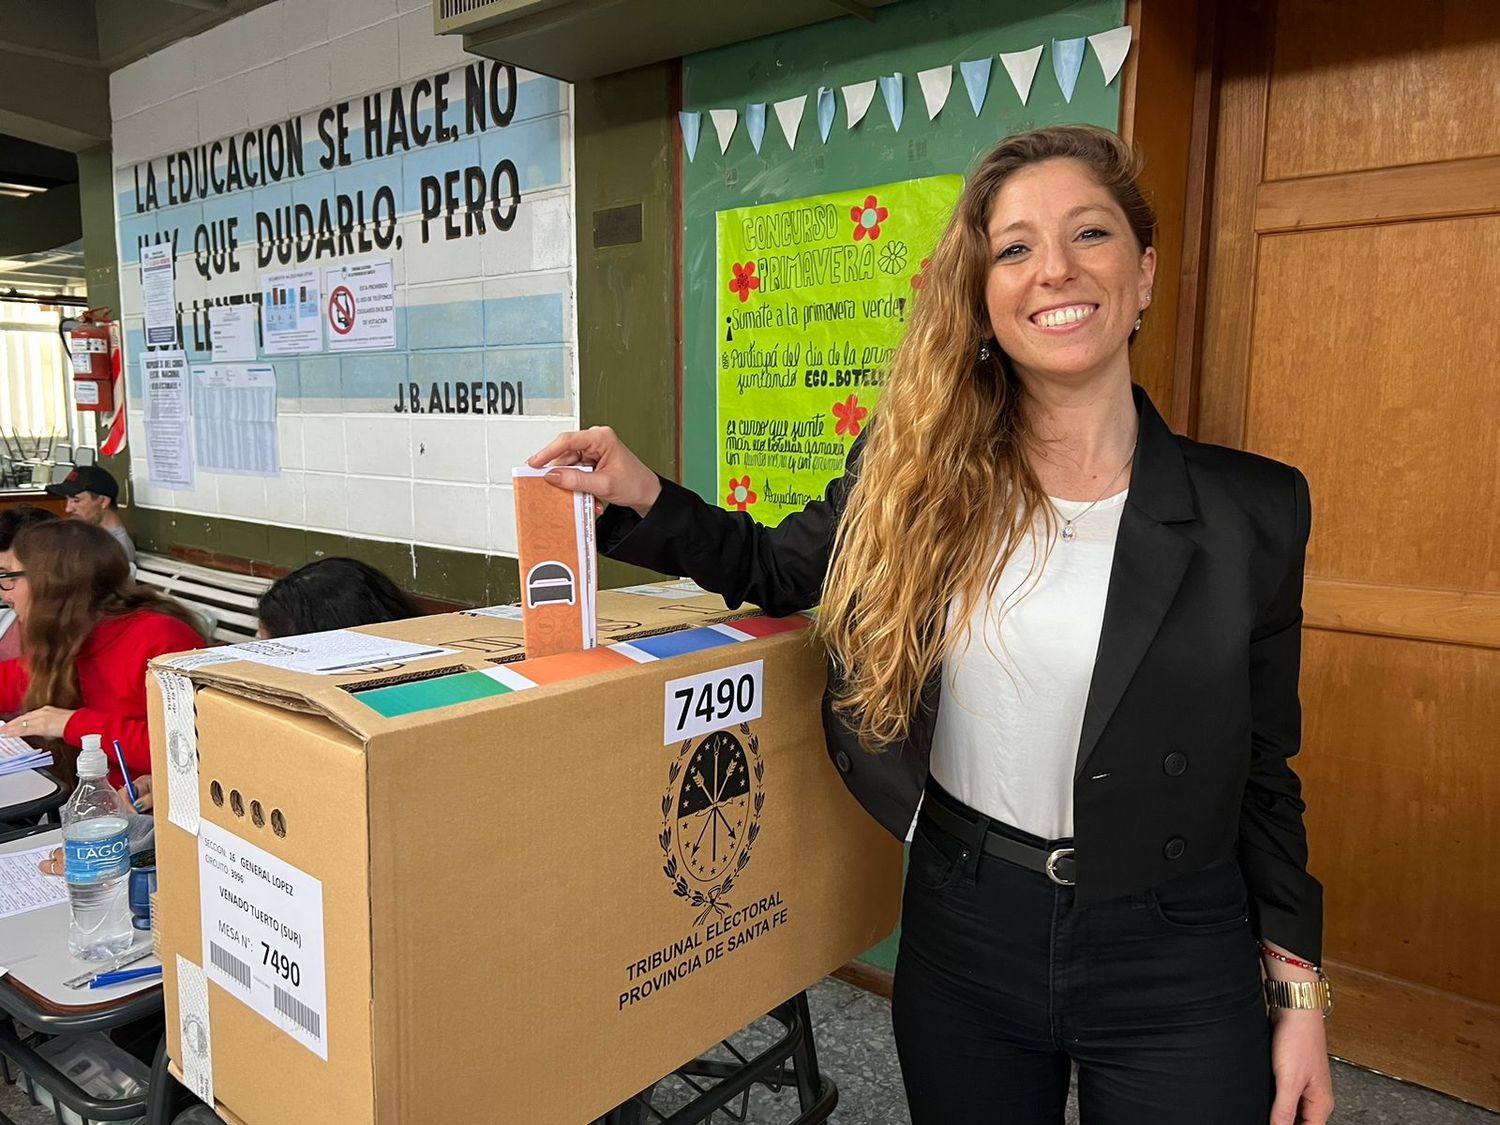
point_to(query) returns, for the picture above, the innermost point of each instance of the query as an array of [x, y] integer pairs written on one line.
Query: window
[[36, 386]]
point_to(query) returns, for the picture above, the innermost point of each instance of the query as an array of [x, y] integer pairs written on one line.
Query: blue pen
[[135, 798], [104, 980]]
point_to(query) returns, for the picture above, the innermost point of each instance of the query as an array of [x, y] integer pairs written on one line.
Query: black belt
[[1055, 863]]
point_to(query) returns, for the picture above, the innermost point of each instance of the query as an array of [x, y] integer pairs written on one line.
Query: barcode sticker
[[221, 958], [263, 934], [295, 1010]]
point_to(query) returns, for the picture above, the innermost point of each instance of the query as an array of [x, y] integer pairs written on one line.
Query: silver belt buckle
[[1057, 854]]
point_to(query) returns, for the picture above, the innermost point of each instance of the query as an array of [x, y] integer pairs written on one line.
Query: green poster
[[813, 297]]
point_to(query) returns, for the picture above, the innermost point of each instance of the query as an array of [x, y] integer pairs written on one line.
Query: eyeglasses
[[8, 579]]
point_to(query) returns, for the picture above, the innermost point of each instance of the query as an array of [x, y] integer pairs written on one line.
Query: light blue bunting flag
[[977, 79], [691, 124], [1067, 61], [894, 93], [826, 108], [755, 122]]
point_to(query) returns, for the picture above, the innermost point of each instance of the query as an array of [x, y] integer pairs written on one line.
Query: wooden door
[[1352, 327]]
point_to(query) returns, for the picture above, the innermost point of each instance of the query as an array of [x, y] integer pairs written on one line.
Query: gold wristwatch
[[1303, 994]]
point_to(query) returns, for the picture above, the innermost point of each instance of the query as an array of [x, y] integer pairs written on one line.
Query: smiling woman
[[1057, 268], [1073, 637]]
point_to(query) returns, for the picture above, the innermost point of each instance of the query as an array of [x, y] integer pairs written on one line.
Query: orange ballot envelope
[[559, 570]]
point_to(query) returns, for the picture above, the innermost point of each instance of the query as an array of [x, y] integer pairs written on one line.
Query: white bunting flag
[[1021, 66], [1110, 48], [789, 113], [724, 122], [857, 99], [935, 85]]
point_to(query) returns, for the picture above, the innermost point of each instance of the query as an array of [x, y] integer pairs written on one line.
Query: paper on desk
[[16, 754], [333, 653], [23, 888]]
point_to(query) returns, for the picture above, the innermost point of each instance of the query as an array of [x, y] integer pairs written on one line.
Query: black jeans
[[1003, 982]]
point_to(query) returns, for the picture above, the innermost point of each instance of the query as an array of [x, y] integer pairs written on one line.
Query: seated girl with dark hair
[[87, 633], [335, 593]]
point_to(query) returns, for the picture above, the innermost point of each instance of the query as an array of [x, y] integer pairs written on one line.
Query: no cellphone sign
[[361, 310]]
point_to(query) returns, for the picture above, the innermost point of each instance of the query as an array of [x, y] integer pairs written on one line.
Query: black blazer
[[1192, 713]]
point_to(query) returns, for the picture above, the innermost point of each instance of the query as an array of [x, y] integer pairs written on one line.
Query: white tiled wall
[[435, 480], [458, 511]]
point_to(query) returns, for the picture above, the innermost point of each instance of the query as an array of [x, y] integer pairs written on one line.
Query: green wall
[[624, 151], [909, 37]]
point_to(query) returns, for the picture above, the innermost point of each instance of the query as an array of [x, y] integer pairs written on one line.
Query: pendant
[[1067, 530]]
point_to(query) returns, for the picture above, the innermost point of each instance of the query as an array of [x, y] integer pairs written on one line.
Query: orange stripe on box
[[571, 665], [770, 626]]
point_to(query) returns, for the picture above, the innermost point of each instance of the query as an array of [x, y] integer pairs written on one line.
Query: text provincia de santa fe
[[715, 940]]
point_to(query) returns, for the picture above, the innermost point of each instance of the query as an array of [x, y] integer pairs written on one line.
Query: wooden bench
[[226, 601]]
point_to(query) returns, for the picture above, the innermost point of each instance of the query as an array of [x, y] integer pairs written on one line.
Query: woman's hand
[[143, 802], [53, 864], [44, 722], [1299, 1060], [619, 476]]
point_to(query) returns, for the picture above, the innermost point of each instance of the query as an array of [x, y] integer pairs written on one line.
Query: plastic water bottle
[[96, 850]]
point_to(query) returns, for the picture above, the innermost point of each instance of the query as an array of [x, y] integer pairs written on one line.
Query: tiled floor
[[855, 1050]]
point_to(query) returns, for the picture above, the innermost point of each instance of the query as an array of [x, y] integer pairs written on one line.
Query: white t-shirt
[[1006, 740], [123, 537]]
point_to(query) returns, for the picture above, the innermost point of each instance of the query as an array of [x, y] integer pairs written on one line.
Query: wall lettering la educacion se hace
[[457, 203]]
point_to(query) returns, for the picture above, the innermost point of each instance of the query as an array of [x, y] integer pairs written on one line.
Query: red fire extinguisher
[[91, 345]]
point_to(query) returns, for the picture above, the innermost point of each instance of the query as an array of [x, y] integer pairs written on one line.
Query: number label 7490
[[712, 701]]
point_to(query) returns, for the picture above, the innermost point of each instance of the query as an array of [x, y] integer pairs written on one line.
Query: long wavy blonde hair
[[944, 488]]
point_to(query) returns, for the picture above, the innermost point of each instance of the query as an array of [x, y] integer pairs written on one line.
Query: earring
[[984, 352], [1138, 321]]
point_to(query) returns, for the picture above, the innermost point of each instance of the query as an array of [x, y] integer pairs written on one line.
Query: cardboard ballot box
[[459, 886]]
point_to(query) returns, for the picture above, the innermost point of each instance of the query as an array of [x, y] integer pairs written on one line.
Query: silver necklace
[[1067, 533]]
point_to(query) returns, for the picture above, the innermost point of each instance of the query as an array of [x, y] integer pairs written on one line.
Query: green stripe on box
[[428, 695]]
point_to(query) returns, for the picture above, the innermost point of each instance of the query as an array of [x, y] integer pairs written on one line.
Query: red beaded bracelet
[[1296, 963]]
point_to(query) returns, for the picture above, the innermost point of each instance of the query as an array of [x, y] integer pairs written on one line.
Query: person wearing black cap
[[92, 494]]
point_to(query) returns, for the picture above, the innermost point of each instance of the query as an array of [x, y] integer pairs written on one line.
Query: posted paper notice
[[169, 439], [361, 306], [231, 332], [159, 295], [291, 312], [234, 418]]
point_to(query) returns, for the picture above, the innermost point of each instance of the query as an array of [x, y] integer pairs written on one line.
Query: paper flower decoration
[[740, 497], [744, 280], [867, 219], [849, 414]]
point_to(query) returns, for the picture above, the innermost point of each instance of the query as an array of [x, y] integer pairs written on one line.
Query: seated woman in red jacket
[[87, 633]]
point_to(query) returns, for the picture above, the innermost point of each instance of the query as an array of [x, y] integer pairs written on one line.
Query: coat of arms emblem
[[711, 816]]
